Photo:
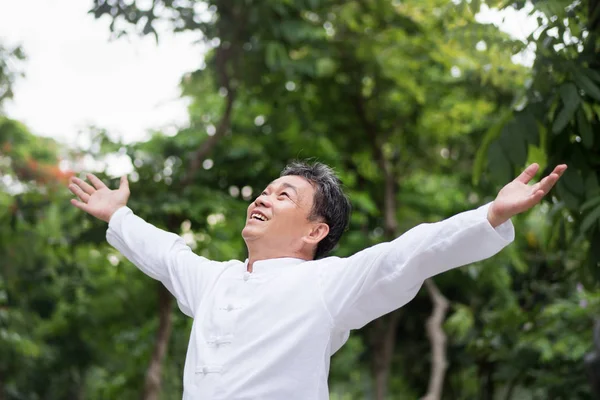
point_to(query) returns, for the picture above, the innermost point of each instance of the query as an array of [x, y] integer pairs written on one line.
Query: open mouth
[[258, 216]]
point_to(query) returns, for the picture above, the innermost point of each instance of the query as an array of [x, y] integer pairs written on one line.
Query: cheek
[[293, 220]]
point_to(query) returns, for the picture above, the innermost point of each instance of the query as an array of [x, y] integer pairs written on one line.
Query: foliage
[[556, 116], [10, 59]]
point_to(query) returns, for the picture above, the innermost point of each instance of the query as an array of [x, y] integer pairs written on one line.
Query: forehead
[[301, 189], [296, 182]]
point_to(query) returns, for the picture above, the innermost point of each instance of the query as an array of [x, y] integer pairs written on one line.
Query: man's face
[[279, 216]]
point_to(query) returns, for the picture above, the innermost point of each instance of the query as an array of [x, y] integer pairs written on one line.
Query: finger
[[560, 169], [536, 187], [534, 199], [529, 173], [124, 183], [77, 191], [80, 205], [548, 182], [98, 184], [537, 197], [86, 187]]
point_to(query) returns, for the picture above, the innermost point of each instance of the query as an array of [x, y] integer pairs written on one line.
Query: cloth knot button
[[229, 307], [209, 369], [219, 340]]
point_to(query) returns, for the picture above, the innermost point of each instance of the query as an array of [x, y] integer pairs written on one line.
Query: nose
[[263, 200]]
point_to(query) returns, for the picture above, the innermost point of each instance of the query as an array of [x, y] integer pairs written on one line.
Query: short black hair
[[329, 203]]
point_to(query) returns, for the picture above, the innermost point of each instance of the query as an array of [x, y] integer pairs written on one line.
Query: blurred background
[[424, 107]]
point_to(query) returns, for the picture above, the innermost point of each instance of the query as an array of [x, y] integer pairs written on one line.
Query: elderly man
[[265, 328]]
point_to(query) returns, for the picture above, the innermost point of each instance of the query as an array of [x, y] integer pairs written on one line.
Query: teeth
[[258, 216]]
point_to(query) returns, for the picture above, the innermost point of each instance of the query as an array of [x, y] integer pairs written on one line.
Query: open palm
[[98, 200], [518, 196]]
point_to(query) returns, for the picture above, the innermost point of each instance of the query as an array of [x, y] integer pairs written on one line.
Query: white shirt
[[269, 334]]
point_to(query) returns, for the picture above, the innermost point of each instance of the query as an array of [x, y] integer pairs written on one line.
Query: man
[[266, 328]]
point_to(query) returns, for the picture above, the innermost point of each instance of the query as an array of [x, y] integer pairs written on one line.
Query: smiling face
[[278, 220]]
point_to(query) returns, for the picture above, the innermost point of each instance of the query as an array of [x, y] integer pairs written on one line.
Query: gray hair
[[329, 202]]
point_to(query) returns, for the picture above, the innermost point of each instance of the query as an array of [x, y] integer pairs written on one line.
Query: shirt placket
[[225, 311]]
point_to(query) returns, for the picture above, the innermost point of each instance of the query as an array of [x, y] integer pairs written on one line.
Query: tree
[[341, 73], [10, 71], [398, 98], [554, 117]]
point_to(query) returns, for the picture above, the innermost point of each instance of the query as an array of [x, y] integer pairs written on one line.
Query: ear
[[317, 233]]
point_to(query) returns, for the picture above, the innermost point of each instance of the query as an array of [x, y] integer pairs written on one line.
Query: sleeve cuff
[[506, 230], [117, 216]]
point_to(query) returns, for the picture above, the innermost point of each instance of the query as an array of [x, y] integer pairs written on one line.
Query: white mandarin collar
[[273, 263]]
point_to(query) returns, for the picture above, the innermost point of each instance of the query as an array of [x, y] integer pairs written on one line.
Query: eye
[[285, 194], [263, 193]]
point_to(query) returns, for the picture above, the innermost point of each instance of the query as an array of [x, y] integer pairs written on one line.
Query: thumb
[[124, 184]]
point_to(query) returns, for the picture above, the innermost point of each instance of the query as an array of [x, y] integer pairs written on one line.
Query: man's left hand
[[519, 196]]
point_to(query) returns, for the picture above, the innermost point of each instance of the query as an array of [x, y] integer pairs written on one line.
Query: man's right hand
[[99, 200]]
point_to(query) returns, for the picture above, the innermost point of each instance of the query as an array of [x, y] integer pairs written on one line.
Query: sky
[[76, 77]]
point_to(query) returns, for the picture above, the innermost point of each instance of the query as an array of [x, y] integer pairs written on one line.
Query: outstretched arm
[[161, 255], [384, 277]]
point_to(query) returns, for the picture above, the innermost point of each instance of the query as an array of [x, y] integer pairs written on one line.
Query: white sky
[[75, 77]]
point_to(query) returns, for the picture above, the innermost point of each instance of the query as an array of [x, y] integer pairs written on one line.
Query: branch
[[384, 328], [153, 374], [206, 147], [437, 338], [383, 340], [390, 223], [221, 60]]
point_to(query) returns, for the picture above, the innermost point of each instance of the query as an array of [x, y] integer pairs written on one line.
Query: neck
[[258, 254]]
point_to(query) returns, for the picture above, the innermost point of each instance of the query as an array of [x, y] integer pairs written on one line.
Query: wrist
[[494, 219], [113, 212]]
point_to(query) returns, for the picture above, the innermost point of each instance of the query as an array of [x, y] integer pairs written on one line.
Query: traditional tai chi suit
[[269, 334]]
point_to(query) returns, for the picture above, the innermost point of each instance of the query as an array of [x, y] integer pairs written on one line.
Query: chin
[[248, 234]]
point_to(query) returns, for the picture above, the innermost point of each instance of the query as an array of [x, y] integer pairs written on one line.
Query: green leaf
[[585, 130], [482, 152], [527, 127], [587, 108], [571, 100], [460, 322], [589, 221], [566, 196], [592, 188], [276, 55], [536, 154], [562, 119], [573, 182], [514, 144], [590, 204], [592, 74], [499, 164], [588, 86], [569, 95]]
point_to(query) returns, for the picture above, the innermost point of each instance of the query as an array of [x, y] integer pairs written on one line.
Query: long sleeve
[[384, 277], [161, 255]]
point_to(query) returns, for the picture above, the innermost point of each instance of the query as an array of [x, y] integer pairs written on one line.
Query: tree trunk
[[435, 332], [383, 330], [437, 338], [153, 374], [1, 386], [383, 341]]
